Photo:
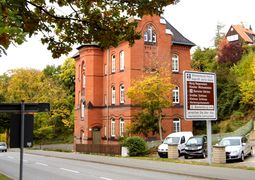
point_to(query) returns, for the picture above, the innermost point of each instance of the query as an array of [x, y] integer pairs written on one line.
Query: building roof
[[244, 33], [178, 38]]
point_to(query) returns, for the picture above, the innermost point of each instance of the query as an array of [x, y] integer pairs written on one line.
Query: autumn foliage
[[229, 52]]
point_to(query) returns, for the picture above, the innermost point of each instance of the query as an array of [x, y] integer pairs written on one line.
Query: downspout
[[107, 95]]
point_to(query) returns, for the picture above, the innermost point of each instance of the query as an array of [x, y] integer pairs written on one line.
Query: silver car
[[236, 147], [3, 147]]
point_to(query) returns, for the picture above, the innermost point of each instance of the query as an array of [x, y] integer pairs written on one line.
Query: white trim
[[162, 21], [168, 31], [137, 18]]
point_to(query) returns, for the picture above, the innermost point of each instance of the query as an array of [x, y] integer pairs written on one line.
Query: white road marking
[[70, 170], [42, 164], [10, 157], [25, 160], [105, 178]]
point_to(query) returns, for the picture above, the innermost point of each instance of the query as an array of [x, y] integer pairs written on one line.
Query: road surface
[[38, 167]]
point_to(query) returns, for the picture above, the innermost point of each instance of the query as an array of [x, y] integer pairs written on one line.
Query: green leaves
[[64, 23]]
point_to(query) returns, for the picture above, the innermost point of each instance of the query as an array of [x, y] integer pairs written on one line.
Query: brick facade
[[96, 80]]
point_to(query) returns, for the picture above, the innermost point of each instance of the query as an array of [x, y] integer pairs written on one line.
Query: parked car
[[179, 138], [236, 147], [196, 146], [3, 147]]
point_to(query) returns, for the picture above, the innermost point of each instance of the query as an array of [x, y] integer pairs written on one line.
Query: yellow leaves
[[153, 90], [247, 89]]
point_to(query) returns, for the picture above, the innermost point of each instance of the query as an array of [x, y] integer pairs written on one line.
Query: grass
[[3, 177], [190, 162]]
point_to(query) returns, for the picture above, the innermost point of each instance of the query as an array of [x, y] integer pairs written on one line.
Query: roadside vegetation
[[54, 85], [235, 82], [3, 177]]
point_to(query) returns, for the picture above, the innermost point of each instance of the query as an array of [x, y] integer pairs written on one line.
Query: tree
[[219, 35], [64, 23], [152, 93], [229, 52], [203, 59]]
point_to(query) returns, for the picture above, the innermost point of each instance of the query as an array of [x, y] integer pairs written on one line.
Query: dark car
[[196, 147]]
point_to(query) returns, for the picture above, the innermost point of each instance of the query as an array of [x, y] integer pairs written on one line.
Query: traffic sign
[[200, 100]]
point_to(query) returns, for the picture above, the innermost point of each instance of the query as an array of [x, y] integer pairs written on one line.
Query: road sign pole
[[21, 140], [209, 141]]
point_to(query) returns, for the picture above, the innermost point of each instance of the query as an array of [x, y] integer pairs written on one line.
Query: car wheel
[[242, 157], [186, 157], [204, 155], [179, 153]]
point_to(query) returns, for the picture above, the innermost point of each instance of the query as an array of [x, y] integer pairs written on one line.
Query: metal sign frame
[[200, 95]]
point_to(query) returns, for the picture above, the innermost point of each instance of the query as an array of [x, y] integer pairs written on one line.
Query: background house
[[102, 109], [241, 34]]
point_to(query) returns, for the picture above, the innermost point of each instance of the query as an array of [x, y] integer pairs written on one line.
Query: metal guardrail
[[242, 131]]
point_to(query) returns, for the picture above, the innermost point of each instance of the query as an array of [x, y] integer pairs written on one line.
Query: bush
[[136, 146]]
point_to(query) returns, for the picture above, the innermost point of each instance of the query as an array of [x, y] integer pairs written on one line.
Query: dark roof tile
[[178, 38]]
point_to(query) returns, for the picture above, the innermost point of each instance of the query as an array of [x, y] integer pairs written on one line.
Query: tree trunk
[[160, 126]]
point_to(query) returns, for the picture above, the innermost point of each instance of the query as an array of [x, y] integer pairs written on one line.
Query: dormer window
[[149, 35]]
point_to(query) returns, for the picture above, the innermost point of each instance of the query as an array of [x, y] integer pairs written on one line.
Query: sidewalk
[[165, 167]]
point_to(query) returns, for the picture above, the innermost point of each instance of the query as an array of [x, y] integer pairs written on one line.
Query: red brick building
[[102, 109]]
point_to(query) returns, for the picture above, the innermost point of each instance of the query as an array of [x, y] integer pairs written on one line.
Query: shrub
[[136, 146]]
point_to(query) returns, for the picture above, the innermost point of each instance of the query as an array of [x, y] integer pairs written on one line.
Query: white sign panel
[[200, 101]]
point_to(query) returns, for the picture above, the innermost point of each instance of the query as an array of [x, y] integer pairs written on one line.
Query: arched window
[[121, 127], [176, 125], [113, 64], [176, 95], [84, 76], [113, 127], [150, 35], [82, 109], [175, 63], [113, 95], [122, 61], [122, 94]]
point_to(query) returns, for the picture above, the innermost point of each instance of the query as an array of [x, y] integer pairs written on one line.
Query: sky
[[195, 19]]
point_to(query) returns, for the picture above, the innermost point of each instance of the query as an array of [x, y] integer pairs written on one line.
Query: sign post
[[200, 101], [23, 108]]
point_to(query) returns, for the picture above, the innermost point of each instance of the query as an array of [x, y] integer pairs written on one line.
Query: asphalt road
[[37, 167]]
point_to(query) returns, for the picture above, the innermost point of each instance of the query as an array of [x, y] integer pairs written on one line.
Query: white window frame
[[122, 60], [176, 125], [113, 124], [84, 76], [122, 123], [149, 35], [113, 95], [145, 36], [113, 63], [175, 63], [176, 95], [122, 94], [82, 110]]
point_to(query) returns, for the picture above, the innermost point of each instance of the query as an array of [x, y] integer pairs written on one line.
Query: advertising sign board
[[200, 100]]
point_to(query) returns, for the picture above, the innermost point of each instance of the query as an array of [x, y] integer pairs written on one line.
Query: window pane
[[176, 125], [175, 63], [113, 127], [113, 63], [122, 60], [121, 127], [122, 94], [113, 95]]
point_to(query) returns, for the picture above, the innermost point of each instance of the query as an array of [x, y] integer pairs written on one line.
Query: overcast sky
[[195, 19]]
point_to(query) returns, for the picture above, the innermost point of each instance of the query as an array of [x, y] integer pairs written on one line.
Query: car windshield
[[230, 142], [195, 141], [2, 144], [172, 140]]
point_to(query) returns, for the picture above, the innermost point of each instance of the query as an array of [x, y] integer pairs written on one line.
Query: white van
[[179, 138]]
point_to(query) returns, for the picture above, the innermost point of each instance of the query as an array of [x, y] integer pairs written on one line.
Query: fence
[[108, 149]]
